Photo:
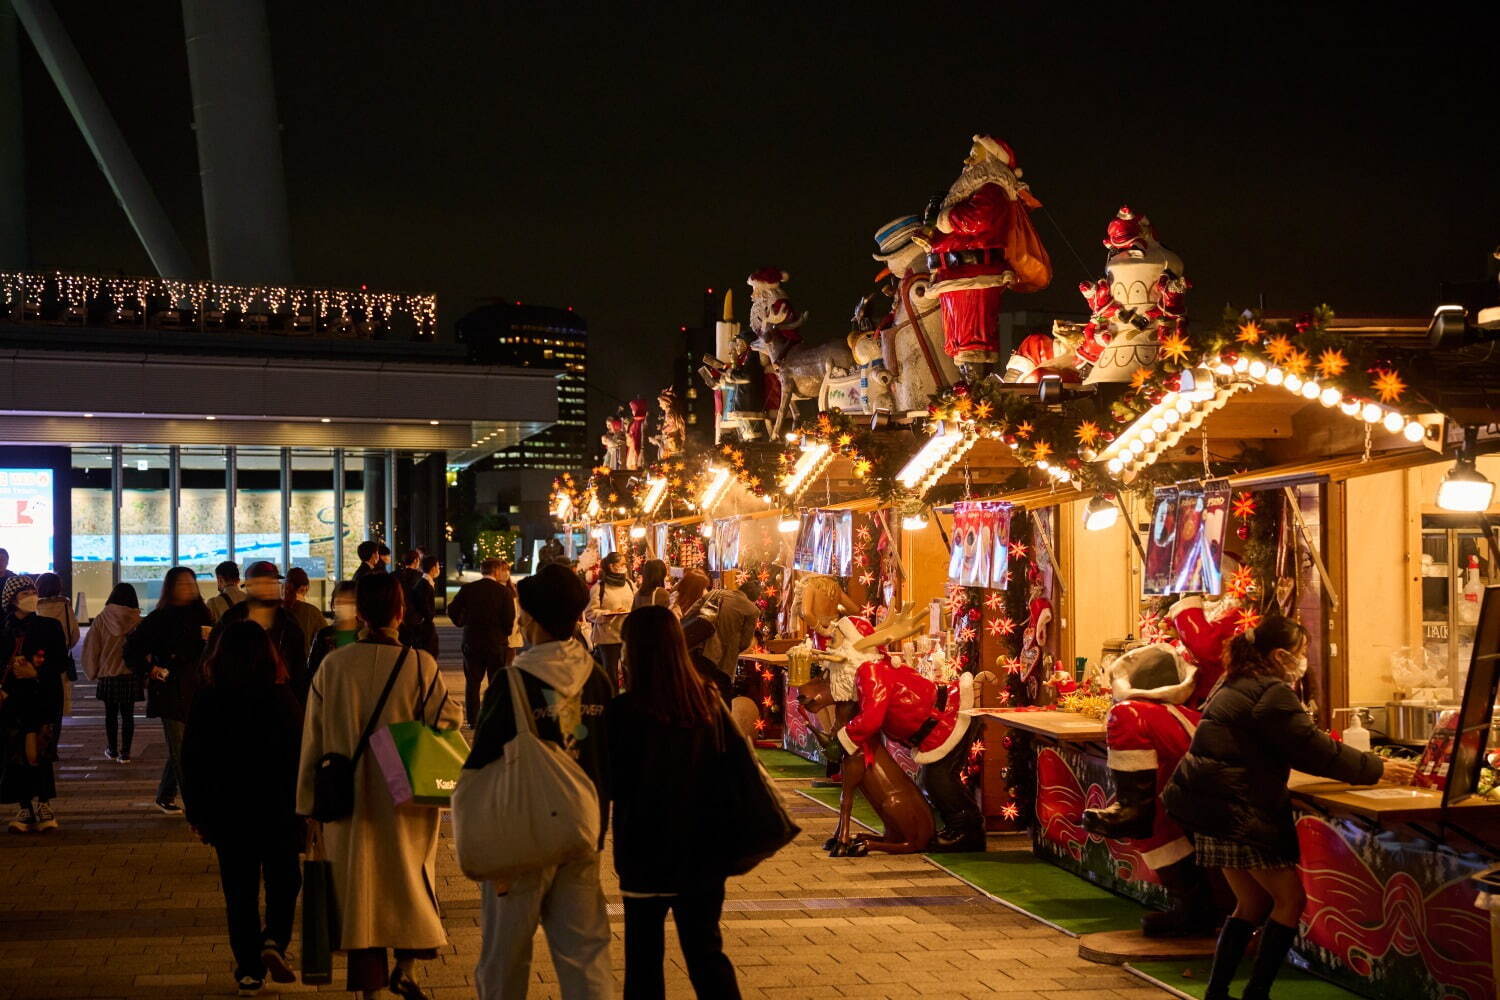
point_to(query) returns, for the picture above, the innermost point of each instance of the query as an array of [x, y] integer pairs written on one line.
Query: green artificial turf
[[863, 812], [783, 764], [1191, 977], [1044, 890]]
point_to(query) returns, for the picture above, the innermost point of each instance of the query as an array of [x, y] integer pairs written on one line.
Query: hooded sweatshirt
[[104, 646], [567, 693]]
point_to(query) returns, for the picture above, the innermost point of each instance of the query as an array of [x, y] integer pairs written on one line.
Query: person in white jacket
[[104, 664], [610, 600]]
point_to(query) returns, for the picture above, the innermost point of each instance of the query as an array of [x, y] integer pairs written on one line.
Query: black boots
[[1233, 940], [1133, 812], [1193, 913], [950, 840], [1275, 941]]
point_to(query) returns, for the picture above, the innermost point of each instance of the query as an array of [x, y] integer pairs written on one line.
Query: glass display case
[[1456, 565]]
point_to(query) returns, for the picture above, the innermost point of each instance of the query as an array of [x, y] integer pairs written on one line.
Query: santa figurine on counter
[[898, 703], [1159, 692], [979, 242]]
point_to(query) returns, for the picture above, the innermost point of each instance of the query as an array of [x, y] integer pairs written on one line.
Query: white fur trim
[[942, 223], [1168, 854], [973, 284], [1021, 365], [961, 722], [848, 744], [1132, 760], [1186, 604], [1121, 689]]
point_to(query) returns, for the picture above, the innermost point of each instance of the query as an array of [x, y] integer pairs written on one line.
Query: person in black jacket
[[166, 650], [239, 765], [419, 627], [35, 659], [566, 693], [667, 736], [263, 605], [486, 609], [1230, 791], [343, 631]]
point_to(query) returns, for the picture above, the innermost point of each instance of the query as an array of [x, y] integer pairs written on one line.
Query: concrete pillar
[[239, 141]]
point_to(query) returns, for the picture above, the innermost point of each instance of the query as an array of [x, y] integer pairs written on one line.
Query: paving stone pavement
[[123, 902]]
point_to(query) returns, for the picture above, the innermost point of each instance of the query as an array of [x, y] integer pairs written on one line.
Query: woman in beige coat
[[384, 858]]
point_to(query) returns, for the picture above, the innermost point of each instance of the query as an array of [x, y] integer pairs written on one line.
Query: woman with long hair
[[1230, 790], [239, 760], [610, 600], [666, 737], [104, 664], [165, 651], [294, 598], [653, 585]]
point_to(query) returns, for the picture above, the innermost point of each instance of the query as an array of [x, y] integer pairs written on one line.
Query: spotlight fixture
[[789, 522], [1100, 514], [638, 529], [1465, 489], [916, 521]]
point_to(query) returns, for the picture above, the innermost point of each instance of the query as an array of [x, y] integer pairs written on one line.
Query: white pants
[[569, 904]]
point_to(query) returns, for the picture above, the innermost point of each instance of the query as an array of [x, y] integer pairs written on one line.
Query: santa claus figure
[[635, 440], [773, 318], [898, 703], [1125, 233], [1159, 692], [1046, 354], [979, 242]]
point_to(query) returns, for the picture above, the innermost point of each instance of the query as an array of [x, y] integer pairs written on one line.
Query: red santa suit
[[901, 704], [986, 244]]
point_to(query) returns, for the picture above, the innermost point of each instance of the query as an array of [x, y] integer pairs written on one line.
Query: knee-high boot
[[1275, 941], [1233, 940], [1133, 811]]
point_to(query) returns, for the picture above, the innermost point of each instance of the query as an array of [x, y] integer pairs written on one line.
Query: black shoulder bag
[[333, 781]]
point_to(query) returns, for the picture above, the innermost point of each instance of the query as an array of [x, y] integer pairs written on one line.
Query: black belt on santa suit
[[965, 258], [939, 702]]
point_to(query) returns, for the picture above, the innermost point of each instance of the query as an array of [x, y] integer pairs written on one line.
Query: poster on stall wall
[[1207, 576], [605, 536], [842, 561], [956, 542], [1000, 547], [981, 539], [1157, 579], [807, 534], [660, 538], [724, 552], [1187, 555]]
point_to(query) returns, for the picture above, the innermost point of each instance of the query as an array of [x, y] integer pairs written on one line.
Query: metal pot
[[1412, 722]]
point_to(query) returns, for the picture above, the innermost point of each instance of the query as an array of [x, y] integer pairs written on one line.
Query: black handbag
[[755, 823], [333, 781]]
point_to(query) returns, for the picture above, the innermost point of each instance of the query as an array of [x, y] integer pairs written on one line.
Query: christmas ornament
[[1332, 363], [1388, 385]]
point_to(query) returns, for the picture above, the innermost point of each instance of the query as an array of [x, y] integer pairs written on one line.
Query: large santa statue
[[1159, 692], [980, 241]]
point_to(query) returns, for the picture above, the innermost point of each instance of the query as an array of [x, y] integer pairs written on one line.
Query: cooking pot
[[1413, 722]]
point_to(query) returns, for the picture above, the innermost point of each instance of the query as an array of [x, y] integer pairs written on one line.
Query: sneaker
[[250, 986], [170, 808], [278, 963], [25, 821], [111, 755], [124, 758], [44, 819]]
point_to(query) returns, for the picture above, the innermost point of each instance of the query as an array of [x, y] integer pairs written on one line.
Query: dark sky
[[621, 163]]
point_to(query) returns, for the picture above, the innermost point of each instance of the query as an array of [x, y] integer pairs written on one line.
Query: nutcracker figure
[[980, 241], [1159, 693]]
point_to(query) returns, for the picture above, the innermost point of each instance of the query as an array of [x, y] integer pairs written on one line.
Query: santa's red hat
[[1000, 150], [767, 276]]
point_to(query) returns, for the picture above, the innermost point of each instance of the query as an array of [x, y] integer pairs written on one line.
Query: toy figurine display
[[635, 436], [1159, 696], [911, 336], [671, 431], [821, 599], [613, 440], [979, 242], [773, 319]]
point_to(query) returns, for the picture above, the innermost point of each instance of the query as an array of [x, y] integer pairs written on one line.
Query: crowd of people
[[256, 689]]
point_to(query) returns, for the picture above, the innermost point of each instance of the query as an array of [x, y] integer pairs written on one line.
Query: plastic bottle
[[1468, 610], [1357, 736]]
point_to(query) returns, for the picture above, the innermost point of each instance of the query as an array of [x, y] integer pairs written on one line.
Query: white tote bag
[[531, 809]]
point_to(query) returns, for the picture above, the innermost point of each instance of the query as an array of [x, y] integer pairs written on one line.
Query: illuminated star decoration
[[1007, 627], [1024, 429], [994, 601], [868, 611], [965, 634], [1087, 433], [867, 578], [1244, 506], [1248, 619], [1018, 550], [1139, 378], [1241, 582], [1297, 363], [1042, 452], [983, 411], [1388, 385], [861, 468], [1279, 348], [1332, 363], [1174, 347], [1010, 811], [1250, 333]]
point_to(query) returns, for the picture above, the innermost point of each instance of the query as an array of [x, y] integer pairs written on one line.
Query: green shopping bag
[[420, 764]]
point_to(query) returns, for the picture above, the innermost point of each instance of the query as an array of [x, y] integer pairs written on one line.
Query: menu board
[[980, 553], [1185, 548]]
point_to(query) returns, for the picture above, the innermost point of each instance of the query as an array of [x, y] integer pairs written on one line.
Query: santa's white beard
[[975, 176]]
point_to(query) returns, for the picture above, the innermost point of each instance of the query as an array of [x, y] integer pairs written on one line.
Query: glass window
[[92, 490], [145, 519], [1456, 566], [356, 526], [257, 506], [203, 513], [313, 523]]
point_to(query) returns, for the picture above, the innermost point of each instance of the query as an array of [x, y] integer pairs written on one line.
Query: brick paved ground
[[123, 902]]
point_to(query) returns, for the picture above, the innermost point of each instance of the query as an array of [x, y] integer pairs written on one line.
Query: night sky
[[622, 163]]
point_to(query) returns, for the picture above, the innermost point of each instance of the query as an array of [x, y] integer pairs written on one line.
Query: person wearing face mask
[[1230, 791], [610, 601], [35, 654], [263, 605], [343, 631]]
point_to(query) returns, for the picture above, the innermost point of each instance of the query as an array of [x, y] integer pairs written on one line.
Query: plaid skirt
[[120, 689], [1215, 852]]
